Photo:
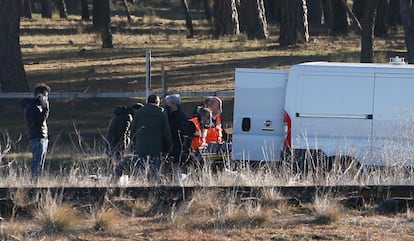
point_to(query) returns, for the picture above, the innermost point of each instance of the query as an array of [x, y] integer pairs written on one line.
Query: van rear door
[[258, 119]]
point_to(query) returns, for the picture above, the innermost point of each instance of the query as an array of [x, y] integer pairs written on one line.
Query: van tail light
[[288, 131]]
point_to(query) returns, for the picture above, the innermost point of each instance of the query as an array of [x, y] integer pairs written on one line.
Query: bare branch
[[5, 145]]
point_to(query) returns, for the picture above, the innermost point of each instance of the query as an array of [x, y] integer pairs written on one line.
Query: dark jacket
[[181, 129], [118, 133], [35, 117], [151, 131], [176, 120]]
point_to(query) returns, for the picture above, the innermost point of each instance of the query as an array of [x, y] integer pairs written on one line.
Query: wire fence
[[90, 95]]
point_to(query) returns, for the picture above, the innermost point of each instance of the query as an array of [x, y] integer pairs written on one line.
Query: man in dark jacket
[[118, 135], [151, 135], [181, 129], [36, 112]]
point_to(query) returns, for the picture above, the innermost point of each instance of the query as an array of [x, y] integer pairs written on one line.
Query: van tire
[[305, 161], [345, 166]]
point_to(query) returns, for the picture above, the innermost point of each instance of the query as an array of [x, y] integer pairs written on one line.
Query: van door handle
[[340, 116], [246, 124]]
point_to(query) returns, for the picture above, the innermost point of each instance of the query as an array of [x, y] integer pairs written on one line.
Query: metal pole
[[164, 80], [148, 73]]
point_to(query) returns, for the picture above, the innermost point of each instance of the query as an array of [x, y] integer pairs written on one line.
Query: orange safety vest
[[198, 135], [214, 133]]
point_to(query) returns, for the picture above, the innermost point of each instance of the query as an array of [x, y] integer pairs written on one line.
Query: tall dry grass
[[327, 209], [54, 215], [84, 164], [221, 210], [103, 218], [95, 170]]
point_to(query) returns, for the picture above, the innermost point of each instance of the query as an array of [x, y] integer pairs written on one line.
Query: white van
[[356, 110]]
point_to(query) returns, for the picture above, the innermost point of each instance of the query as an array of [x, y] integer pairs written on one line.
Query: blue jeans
[[39, 149], [143, 162]]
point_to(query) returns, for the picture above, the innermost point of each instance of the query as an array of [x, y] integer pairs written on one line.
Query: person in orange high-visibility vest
[[215, 132], [202, 122]]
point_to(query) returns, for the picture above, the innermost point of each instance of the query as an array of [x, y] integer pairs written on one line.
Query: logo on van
[[268, 123]]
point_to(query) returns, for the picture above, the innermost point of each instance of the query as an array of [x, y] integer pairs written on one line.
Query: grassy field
[[67, 55]]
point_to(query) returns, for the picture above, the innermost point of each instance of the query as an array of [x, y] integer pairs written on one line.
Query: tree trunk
[[61, 5], [358, 8], [314, 12], [128, 12], [12, 74], [26, 9], [207, 11], [188, 20], [294, 23], [393, 13], [85, 10], [102, 20], [252, 16], [272, 9], [367, 35], [226, 19], [327, 13], [340, 19], [252, 19], [46, 10], [381, 26], [407, 19]]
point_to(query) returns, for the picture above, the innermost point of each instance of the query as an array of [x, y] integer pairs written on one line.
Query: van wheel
[[345, 166], [308, 162]]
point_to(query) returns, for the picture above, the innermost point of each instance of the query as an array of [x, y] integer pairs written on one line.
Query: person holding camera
[[36, 112], [202, 123]]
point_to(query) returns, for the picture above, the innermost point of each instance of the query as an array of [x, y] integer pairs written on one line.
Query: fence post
[[147, 73], [164, 81]]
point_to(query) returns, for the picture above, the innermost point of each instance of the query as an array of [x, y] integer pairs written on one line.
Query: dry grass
[[104, 218], [53, 215], [91, 170], [208, 215], [138, 207], [219, 210], [272, 198], [410, 215], [203, 208], [13, 230], [246, 214], [327, 209]]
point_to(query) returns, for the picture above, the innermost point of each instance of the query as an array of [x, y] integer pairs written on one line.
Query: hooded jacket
[[36, 118], [118, 133], [151, 131]]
